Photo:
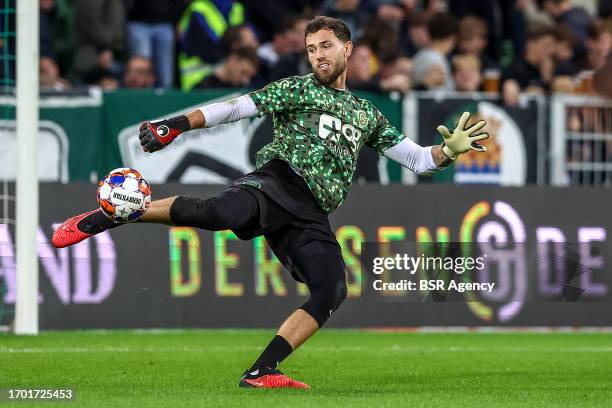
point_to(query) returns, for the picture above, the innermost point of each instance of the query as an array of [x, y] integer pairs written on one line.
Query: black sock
[[278, 350], [96, 223]]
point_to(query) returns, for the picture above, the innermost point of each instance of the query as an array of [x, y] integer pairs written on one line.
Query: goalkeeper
[[301, 177]]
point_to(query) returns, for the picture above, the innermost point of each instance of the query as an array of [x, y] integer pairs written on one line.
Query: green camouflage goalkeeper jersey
[[320, 130]]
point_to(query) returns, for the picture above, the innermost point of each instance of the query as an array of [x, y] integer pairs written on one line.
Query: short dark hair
[[232, 37], [596, 30], [442, 26], [472, 26], [338, 27], [246, 53], [565, 34], [537, 32]]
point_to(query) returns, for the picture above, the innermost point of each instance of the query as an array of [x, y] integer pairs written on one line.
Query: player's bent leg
[[232, 209], [235, 209], [322, 266]]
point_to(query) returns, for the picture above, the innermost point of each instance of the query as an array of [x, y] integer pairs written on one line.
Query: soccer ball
[[124, 195]]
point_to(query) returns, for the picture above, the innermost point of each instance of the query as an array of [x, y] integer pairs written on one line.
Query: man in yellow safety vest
[[200, 31]]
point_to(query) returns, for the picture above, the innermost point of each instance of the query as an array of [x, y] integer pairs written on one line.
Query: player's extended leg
[[322, 266], [232, 209], [159, 212]]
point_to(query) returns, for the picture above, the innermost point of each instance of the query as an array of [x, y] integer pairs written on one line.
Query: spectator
[[151, 35], [381, 37], [298, 33], [57, 32], [359, 70], [534, 70], [601, 80], [200, 32], [265, 14], [105, 79], [416, 35], [431, 61], [473, 40], [394, 73], [347, 11], [243, 36], [283, 42], [576, 18], [565, 66], [495, 12], [237, 70], [50, 79], [239, 37], [45, 35], [99, 33], [294, 63], [564, 52], [139, 73], [467, 73], [598, 43]]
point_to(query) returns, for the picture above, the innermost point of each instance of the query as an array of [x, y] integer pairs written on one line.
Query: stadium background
[[98, 84], [174, 314], [95, 90]]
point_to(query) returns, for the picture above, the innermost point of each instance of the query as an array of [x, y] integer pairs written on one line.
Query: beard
[[330, 77]]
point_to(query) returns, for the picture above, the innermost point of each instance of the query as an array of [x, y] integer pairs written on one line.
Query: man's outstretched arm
[[419, 159], [425, 160], [156, 135]]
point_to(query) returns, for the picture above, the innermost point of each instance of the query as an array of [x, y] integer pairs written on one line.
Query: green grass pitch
[[201, 368]]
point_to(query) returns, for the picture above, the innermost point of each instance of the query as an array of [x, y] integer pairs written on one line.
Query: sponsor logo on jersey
[[331, 129]]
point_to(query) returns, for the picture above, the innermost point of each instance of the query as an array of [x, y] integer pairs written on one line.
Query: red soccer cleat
[[68, 234], [268, 378]]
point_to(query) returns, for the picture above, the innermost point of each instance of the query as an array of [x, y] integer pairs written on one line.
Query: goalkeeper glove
[[462, 140], [155, 136]]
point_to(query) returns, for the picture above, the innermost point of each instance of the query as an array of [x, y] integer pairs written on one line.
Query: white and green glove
[[462, 140]]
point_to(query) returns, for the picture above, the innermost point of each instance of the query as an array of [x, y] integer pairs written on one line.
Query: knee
[[325, 299], [339, 294], [329, 298]]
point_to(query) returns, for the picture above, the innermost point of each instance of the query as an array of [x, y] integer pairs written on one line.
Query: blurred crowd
[[507, 46]]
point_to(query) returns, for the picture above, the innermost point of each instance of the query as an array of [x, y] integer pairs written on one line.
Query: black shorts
[[289, 216]]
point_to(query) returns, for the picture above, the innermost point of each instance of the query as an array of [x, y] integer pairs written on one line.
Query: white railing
[[580, 140]]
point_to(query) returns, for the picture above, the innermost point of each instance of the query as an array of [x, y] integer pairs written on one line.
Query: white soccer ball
[[124, 195]]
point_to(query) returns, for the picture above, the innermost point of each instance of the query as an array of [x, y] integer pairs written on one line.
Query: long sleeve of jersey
[[229, 111], [412, 156]]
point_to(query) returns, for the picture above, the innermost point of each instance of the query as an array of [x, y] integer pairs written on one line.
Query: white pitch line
[[391, 349]]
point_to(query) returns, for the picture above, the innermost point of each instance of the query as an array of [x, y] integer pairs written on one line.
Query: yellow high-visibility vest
[[192, 68]]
